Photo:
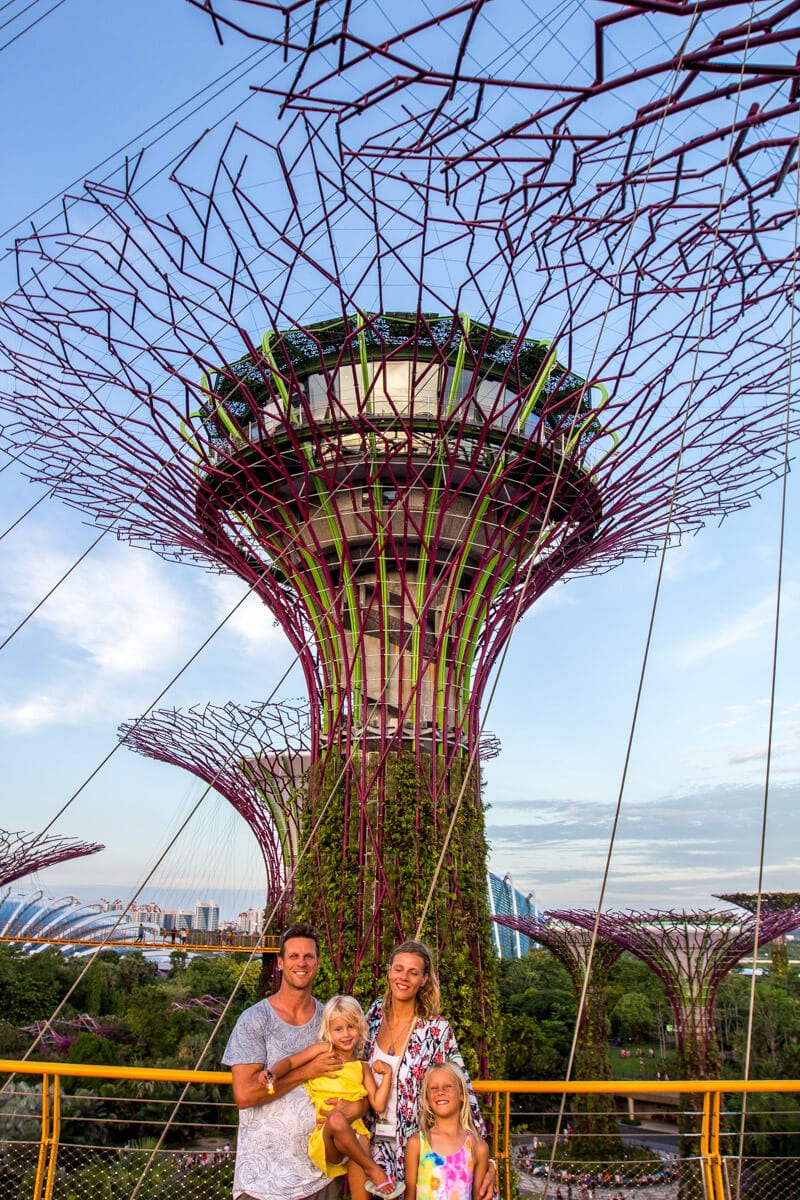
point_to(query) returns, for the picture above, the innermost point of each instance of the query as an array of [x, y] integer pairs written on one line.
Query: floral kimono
[[431, 1042]]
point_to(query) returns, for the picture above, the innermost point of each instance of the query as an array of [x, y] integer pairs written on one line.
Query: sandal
[[387, 1190]]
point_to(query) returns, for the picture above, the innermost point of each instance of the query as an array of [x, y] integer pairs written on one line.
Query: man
[[276, 1120]]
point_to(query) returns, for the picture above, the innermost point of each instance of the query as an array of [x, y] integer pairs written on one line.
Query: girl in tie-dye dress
[[447, 1159]]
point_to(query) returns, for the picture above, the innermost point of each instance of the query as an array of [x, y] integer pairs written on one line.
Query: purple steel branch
[[24, 854], [254, 755]]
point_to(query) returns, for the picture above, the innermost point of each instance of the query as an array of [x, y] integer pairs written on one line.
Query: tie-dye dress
[[445, 1176]]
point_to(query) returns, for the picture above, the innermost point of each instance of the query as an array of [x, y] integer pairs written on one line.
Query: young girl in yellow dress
[[336, 1142], [447, 1159]]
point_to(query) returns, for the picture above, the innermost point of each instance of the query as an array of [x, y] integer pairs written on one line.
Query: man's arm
[[481, 1172], [293, 1062], [249, 1090]]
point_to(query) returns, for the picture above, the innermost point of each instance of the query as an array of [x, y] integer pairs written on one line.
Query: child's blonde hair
[[427, 1117], [353, 1014]]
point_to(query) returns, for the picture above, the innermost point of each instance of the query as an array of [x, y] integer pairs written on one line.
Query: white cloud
[[755, 622], [689, 560], [759, 753], [63, 704], [116, 608], [251, 621], [677, 850]]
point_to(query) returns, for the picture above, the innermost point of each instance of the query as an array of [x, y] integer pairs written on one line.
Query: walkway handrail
[[628, 1087], [711, 1090]]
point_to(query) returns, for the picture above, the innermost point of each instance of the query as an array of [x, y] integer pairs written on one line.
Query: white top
[[387, 1123]]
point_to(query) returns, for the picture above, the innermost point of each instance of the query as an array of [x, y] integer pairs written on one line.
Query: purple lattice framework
[[691, 953], [59, 1036], [256, 756], [432, 340], [24, 854], [209, 1008], [587, 99]]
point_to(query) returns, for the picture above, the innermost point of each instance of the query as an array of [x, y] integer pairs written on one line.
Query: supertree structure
[[24, 854], [401, 382], [256, 756], [579, 952], [691, 953], [768, 902]]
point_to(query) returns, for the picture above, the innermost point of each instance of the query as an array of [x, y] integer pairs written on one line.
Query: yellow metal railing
[[497, 1094]]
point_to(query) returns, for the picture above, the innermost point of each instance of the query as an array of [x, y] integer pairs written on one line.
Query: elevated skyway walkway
[[196, 943]]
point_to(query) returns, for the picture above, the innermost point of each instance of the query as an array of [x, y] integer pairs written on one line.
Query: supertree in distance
[[767, 902], [24, 854], [256, 756], [402, 365], [691, 953], [579, 952]]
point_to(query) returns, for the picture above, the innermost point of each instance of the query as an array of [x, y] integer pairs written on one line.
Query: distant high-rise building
[[506, 901], [206, 916], [250, 921]]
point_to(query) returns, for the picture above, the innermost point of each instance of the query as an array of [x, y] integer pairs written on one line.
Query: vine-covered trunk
[[698, 1058], [378, 825], [596, 1123]]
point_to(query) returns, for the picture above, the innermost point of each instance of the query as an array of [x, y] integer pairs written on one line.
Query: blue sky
[[87, 80]]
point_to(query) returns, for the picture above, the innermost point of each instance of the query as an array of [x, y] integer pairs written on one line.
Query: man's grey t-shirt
[[272, 1160]]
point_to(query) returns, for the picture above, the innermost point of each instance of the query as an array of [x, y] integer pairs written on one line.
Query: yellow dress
[[347, 1084]]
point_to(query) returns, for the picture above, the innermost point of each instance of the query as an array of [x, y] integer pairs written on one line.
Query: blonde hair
[[353, 1014], [427, 1117], [428, 997]]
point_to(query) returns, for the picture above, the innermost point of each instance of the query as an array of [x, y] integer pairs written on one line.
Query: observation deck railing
[[76, 1132]]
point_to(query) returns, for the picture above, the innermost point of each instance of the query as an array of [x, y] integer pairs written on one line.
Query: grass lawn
[[629, 1068]]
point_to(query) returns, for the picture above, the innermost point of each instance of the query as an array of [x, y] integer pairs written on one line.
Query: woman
[[406, 1031]]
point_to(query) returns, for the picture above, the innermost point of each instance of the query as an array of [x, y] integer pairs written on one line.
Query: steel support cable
[[175, 455], [209, 787], [773, 672], [298, 860], [161, 857], [245, 62], [648, 640], [32, 25], [20, 13], [551, 498]]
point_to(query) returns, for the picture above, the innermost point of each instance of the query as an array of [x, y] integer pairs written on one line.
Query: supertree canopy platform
[[691, 953], [407, 477], [431, 344], [24, 854]]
